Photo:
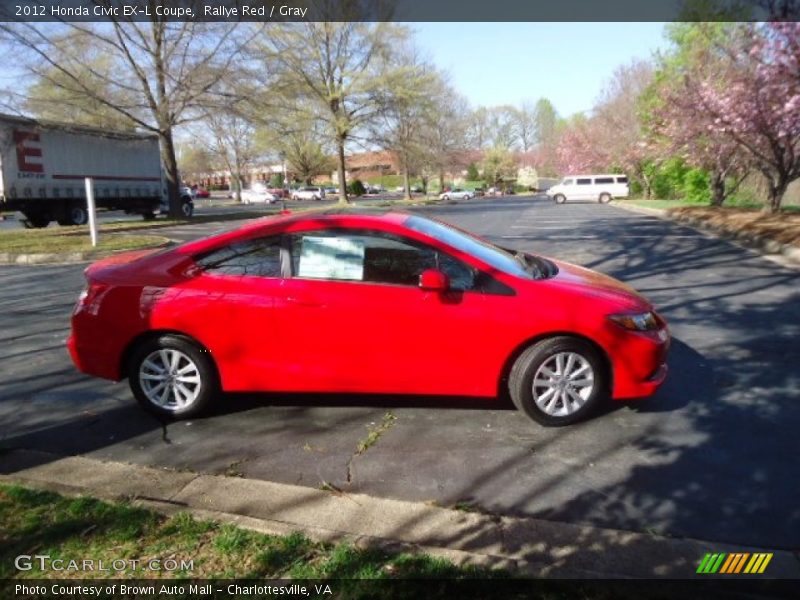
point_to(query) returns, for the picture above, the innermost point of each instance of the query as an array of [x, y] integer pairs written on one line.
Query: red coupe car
[[365, 302]]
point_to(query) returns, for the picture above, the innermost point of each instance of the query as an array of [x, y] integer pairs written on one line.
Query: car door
[[240, 283], [353, 318]]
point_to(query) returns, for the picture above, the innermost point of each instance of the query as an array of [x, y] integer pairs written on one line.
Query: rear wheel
[[35, 221], [604, 198], [171, 376], [560, 198], [558, 381], [149, 215]]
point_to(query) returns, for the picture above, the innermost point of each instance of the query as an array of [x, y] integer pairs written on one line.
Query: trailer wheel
[[35, 221], [78, 215]]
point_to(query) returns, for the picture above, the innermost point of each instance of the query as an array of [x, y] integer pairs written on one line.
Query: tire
[[604, 198], [295, 198], [187, 209], [78, 215], [157, 354], [36, 221], [446, 198], [149, 215], [560, 198], [541, 396]]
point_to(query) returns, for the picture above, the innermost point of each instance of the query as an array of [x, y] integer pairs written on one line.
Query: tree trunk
[[342, 181], [238, 192], [717, 188], [170, 165], [406, 183], [441, 180], [776, 190]]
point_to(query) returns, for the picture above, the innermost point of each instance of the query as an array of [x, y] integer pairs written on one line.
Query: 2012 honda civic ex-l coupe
[[367, 303]]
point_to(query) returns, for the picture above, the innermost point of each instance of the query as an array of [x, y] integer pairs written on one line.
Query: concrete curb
[[761, 244], [527, 546]]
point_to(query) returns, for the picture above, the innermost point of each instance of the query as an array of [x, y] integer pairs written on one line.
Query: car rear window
[[260, 258], [622, 180]]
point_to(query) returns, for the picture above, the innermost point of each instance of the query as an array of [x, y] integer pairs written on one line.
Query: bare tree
[[525, 117], [448, 135], [160, 72], [410, 111], [341, 69], [233, 142]]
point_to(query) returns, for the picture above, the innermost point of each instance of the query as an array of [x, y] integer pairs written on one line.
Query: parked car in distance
[[279, 192], [258, 194], [456, 194], [284, 303], [308, 193], [201, 192], [590, 187], [477, 192]]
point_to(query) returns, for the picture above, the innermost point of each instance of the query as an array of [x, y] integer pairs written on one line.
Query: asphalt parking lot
[[712, 456]]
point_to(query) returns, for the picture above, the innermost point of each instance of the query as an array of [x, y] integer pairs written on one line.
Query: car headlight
[[637, 322]]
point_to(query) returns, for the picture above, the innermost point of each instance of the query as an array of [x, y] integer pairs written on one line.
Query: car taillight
[[89, 297]]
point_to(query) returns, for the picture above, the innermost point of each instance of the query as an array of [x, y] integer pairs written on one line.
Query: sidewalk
[[522, 545]]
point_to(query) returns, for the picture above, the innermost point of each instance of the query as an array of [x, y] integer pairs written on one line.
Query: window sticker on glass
[[332, 258]]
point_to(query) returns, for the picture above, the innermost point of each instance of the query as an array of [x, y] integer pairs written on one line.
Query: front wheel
[[172, 377], [558, 381], [560, 198], [187, 208]]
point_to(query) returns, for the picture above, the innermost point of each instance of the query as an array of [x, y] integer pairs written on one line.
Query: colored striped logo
[[734, 563]]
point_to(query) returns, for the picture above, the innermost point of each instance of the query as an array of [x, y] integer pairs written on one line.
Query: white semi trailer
[[43, 166]]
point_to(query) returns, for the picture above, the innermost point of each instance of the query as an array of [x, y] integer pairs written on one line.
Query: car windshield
[[519, 265]]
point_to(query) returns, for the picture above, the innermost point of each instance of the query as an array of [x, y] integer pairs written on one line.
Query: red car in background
[[201, 192], [384, 302]]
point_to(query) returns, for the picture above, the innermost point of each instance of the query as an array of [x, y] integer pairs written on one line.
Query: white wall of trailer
[[49, 162]]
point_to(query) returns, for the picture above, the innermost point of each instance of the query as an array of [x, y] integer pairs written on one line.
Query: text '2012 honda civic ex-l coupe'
[[384, 302]]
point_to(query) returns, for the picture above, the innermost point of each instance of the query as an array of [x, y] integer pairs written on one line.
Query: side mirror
[[433, 280]]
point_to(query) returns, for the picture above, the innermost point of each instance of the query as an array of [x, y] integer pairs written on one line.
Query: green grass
[[36, 522], [661, 204], [375, 432], [734, 202], [58, 239]]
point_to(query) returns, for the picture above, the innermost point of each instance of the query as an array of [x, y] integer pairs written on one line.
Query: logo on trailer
[[27, 143]]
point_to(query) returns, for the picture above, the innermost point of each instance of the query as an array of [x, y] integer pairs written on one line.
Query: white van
[[590, 187]]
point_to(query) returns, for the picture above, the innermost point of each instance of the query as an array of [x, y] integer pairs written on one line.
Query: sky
[[506, 63]]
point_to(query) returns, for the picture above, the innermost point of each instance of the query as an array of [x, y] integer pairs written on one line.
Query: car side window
[[604, 180], [374, 257], [568, 182], [259, 257], [584, 181]]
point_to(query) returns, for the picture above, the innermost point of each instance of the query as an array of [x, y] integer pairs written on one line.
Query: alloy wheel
[[563, 384], [170, 379]]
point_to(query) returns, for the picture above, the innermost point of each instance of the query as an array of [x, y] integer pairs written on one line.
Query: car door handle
[[304, 301]]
